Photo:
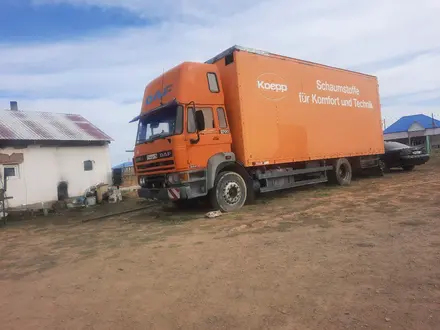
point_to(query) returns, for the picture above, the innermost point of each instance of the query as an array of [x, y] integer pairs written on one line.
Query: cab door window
[[222, 118], [207, 115]]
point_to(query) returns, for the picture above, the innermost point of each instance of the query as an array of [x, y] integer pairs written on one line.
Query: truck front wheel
[[229, 192]]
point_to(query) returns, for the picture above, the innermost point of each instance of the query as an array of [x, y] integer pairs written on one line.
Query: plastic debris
[[213, 214]]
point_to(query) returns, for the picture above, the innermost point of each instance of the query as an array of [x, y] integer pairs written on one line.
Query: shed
[[46, 157], [128, 177]]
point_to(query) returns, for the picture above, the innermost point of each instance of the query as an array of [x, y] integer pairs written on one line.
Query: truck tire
[[341, 173], [229, 192]]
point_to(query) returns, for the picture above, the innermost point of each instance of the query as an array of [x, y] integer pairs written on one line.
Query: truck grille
[[156, 166], [155, 182]]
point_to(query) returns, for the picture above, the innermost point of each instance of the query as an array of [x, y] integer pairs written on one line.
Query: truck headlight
[[173, 178], [176, 178]]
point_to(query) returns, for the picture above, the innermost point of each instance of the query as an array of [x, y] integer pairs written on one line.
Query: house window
[[11, 171], [88, 165], [212, 82]]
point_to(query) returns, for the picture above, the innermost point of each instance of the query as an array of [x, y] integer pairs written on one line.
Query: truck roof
[[234, 48]]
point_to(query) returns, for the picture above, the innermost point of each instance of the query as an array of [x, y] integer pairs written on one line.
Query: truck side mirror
[[200, 121]]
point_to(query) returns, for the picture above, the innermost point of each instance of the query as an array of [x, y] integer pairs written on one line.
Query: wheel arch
[[225, 162]]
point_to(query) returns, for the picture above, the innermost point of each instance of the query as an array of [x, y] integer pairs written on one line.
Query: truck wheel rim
[[232, 193], [343, 172]]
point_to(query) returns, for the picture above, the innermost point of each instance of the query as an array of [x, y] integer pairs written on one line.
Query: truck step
[[289, 172]]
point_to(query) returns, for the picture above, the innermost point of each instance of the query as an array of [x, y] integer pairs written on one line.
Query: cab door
[[208, 134]]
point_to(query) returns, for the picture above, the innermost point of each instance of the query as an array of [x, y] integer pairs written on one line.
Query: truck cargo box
[[284, 110]]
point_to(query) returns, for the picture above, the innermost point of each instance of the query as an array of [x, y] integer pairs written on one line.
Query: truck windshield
[[160, 123]]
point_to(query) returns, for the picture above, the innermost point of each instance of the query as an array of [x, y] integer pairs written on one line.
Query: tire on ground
[[341, 173], [229, 192]]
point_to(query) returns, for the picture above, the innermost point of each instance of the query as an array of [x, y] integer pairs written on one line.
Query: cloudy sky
[[94, 57]]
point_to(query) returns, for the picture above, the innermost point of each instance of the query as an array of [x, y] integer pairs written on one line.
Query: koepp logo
[[272, 86]]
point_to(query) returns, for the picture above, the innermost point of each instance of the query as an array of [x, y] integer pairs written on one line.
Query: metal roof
[[123, 165], [404, 123], [45, 126]]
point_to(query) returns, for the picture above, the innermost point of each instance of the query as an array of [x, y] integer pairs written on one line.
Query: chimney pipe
[[14, 106]]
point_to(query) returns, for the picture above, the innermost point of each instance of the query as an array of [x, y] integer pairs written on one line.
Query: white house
[[46, 156]]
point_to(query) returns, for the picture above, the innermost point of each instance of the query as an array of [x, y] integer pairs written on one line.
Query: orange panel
[[186, 82], [283, 110]]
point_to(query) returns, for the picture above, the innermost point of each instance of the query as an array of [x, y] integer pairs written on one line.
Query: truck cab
[[182, 128]]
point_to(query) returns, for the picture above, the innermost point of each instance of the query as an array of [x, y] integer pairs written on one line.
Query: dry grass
[[358, 257]]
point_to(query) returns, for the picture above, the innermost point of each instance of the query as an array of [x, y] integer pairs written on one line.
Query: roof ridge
[[38, 111], [40, 126]]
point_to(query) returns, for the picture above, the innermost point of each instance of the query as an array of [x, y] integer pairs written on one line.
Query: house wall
[[395, 136], [435, 142], [416, 127], [43, 168]]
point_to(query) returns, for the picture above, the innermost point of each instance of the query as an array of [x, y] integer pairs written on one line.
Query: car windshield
[[389, 146], [160, 123]]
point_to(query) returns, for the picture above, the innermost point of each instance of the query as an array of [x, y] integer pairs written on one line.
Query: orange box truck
[[248, 122]]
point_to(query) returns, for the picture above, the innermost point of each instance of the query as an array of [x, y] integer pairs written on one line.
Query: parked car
[[403, 156]]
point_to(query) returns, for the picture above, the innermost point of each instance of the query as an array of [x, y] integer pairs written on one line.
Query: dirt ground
[[365, 256]]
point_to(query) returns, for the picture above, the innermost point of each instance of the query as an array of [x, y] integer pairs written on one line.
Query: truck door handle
[[216, 138]]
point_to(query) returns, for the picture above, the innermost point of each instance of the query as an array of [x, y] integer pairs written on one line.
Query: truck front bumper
[[194, 186], [165, 194], [173, 193]]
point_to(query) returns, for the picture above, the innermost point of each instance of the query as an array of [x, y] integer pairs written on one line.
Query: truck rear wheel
[[341, 173], [229, 192]]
